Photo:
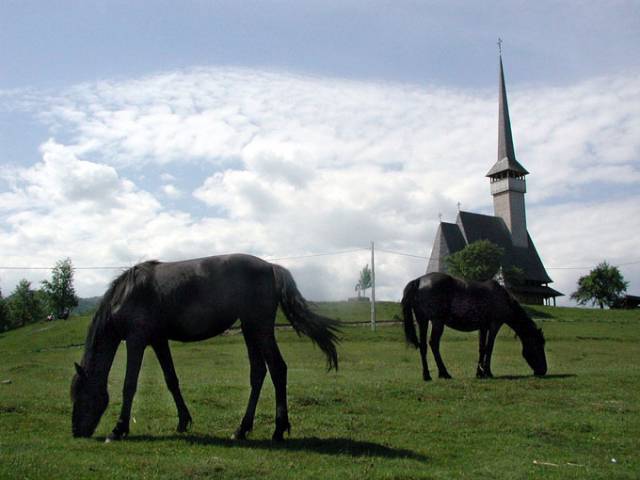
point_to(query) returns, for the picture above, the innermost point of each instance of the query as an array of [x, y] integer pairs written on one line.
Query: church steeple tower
[[508, 184]]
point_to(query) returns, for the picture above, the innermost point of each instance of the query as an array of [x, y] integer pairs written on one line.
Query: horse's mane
[[120, 289]]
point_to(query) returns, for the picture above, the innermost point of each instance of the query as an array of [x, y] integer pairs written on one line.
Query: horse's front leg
[[437, 327], [482, 348], [161, 348], [135, 352]]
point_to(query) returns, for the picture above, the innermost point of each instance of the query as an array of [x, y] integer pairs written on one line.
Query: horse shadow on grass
[[327, 446], [528, 377]]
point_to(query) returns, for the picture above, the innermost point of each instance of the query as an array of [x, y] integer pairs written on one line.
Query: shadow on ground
[[526, 377], [329, 446]]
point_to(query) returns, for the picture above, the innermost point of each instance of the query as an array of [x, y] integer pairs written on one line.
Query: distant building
[[507, 228]]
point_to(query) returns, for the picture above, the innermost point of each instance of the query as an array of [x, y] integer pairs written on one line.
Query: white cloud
[[298, 165], [171, 191], [167, 177]]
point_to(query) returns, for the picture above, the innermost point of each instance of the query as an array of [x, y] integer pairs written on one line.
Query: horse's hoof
[[446, 376], [239, 436], [278, 435], [114, 437], [426, 379], [184, 425]]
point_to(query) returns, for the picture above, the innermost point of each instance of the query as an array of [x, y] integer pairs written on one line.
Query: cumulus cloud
[[286, 165], [171, 191]]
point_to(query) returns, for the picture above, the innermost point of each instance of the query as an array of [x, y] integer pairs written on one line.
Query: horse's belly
[[463, 325], [465, 319], [190, 329]]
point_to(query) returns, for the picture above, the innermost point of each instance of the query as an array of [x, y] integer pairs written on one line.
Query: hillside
[[374, 418]]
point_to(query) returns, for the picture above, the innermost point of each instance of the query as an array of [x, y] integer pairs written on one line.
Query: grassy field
[[375, 418]]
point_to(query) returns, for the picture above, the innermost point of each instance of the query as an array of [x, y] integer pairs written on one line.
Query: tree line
[[53, 300], [479, 261]]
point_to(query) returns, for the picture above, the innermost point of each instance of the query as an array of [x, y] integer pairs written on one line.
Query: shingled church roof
[[471, 227]]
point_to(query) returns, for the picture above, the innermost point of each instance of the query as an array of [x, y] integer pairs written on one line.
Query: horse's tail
[[321, 330], [407, 312]]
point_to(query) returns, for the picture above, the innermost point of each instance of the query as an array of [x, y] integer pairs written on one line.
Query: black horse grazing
[[187, 301], [467, 306]]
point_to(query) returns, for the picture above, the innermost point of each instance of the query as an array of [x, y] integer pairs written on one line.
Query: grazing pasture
[[374, 418]]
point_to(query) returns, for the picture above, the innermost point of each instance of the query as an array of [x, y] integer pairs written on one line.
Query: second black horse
[[442, 300]]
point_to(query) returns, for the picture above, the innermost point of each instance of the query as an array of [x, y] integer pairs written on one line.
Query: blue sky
[[137, 130]]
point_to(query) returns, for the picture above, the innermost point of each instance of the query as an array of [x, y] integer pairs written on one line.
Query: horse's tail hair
[[119, 291], [321, 330], [407, 312]]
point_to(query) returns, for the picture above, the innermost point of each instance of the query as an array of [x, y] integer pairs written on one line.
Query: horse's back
[[433, 295], [201, 298], [461, 305]]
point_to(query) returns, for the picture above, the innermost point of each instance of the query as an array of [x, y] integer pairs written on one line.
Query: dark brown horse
[[188, 301], [467, 306]]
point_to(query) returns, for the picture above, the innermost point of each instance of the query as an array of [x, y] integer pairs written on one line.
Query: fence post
[[373, 288]]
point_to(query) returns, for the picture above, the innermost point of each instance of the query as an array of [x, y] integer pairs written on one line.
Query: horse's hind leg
[[491, 338], [258, 372], [423, 326], [482, 349], [437, 327], [161, 348], [278, 372]]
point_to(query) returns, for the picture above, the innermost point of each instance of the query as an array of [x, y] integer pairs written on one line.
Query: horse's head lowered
[[533, 351], [90, 400]]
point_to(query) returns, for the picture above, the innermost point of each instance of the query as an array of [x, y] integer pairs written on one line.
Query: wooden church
[[507, 228]]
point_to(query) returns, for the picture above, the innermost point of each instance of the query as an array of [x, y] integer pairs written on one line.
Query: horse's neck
[[522, 325], [98, 359]]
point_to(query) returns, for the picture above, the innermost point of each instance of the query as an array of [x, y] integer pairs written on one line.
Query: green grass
[[375, 418]]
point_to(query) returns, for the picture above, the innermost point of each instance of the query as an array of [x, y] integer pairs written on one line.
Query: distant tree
[[603, 286], [61, 296], [25, 305], [365, 281], [5, 318], [477, 261]]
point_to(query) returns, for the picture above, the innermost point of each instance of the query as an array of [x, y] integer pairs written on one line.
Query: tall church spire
[[506, 153], [508, 185], [505, 138]]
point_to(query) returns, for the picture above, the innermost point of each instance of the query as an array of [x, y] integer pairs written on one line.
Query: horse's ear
[[79, 370]]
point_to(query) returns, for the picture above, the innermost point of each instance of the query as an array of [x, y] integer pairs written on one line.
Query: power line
[[311, 255], [586, 268], [328, 254], [422, 257], [75, 268]]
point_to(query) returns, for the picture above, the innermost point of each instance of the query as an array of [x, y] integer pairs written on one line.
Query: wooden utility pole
[[373, 288]]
